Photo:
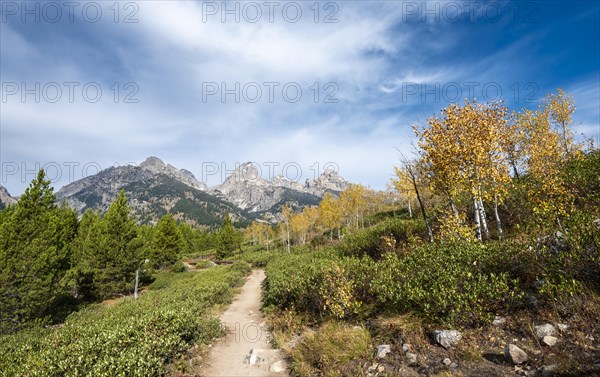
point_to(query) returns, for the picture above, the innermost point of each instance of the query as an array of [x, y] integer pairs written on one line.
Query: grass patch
[[335, 349]]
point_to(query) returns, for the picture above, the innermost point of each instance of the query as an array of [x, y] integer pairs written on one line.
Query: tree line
[[475, 167], [51, 260], [336, 215]]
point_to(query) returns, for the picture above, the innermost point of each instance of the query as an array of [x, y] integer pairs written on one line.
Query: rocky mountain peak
[[154, 164], [188, 173], [248, 190], [244, 175], [330, 180], [282, 181], [246, 171]]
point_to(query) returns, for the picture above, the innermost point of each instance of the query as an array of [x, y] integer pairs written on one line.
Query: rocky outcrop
[[153, 188], [329, 181], [249, 191], [157, 166], [5, 198]]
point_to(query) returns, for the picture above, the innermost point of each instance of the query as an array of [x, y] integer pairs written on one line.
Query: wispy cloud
[[355, 108]]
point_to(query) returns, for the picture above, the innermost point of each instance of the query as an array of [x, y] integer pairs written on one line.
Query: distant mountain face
[[153, 189], [5, 198], [247, 190], [156, 166]]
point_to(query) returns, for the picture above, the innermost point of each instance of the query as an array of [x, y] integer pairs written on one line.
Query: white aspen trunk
[[483, 219], [409, 210], [498, 222], [477, 220], [330, 234], [135, 289]]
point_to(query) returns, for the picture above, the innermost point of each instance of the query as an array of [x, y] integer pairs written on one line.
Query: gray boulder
[[544, 330], [514, 354], [383, 350], [447, 338]]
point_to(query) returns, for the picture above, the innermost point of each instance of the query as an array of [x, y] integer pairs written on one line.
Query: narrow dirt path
[[246, 349]]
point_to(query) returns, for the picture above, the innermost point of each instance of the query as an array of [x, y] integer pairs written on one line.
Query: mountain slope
[[249, 191], [153, 189], [5, 198]]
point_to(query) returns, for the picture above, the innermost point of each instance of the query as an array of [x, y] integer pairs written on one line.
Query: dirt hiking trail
[[246, 349]]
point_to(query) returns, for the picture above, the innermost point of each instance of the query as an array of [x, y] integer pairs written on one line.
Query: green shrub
[[258, 258], [444, 283], [460, 283], [322, 283], [582, 175], [383, 237], [133, 337], [570, 261], [292, 280], [178, 267], [553, 268]]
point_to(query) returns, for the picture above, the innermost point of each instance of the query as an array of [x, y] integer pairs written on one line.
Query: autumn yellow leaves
[[471, 155], [346, 211], [470, 159]]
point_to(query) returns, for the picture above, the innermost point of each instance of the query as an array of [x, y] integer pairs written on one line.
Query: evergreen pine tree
[[167, 243], [228, 239], [84, 251], [33, 255], [118, 250]]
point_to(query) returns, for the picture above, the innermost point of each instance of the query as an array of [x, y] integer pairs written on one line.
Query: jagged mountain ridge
[[155, 188], [157, 166], [249, 191]]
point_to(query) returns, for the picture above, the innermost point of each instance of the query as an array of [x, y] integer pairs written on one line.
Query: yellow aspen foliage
[[404, 186], [560, 110], [303, 223], [544, 153], [330, 213], [353, 201], [464, 150], [454, 227]]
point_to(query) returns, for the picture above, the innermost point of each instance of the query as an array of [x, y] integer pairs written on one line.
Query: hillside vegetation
[[529, 256], [487, 240]]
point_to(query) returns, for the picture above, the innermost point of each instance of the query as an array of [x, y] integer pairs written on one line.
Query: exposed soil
[[233, 355]]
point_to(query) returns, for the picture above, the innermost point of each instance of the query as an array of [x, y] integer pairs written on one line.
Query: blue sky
[[95, 84]]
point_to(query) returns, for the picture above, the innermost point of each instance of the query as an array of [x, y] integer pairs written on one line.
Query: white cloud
[[170, 52]]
